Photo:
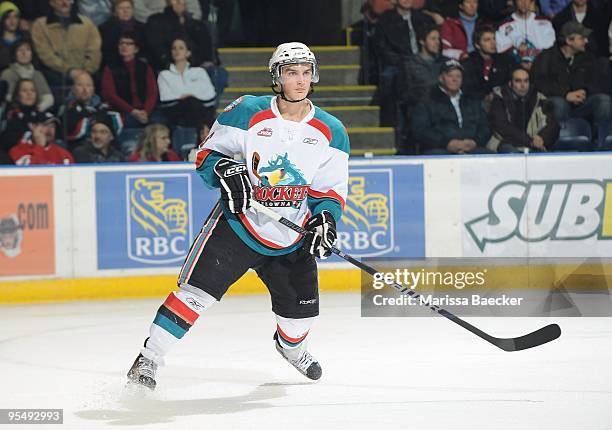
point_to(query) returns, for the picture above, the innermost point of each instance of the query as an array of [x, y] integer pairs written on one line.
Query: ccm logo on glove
[[236, 188]]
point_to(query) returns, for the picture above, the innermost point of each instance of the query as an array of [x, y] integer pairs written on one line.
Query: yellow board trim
[[127, 287], [373, 151]]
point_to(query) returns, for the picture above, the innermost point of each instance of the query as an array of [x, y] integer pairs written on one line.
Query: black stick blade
[[536, 338]]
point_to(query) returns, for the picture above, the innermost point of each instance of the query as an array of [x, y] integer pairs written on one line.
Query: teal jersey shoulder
[[340, 138], [239, 112]]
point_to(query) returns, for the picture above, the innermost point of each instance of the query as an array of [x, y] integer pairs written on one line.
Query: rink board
[[123, 230]]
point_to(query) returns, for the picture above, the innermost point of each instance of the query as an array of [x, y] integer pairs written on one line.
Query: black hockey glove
[[236, 188], [322, 237]]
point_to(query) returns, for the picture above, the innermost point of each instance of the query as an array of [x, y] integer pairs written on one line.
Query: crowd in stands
[[96, 81], [483, 76]]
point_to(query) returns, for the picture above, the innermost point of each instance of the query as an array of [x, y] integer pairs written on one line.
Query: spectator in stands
[[521, 118], [550, 8], [524, 34], [82, 104], [11, 34], [20, 113], [421, 73], [96, 10], [120, 23], [495, 11], [30, 10], [66, 43], [448, 122], [38, 145], [154, 145], [175, 22], [22, 68], [99, 145], [457, 31], [444, 8], [396, 39], [129, 86], [572, 78], [143, 9], [583, 12], [187, 93], [363, 34], [485, 69]]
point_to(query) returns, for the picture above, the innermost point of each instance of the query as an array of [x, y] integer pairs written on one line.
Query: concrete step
[[326, 55], [372, 140], [324, 95], [356, 116], [245, 76]]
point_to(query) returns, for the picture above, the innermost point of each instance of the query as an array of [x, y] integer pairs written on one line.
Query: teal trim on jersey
[[317, 206], [340, 139], [206, 170], [170, 326], [240, 115], [253, 243]]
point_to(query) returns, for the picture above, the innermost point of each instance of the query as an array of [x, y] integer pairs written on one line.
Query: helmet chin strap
[[281, 93]]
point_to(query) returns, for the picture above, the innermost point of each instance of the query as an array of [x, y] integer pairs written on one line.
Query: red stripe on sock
[[290, 339], [181, 309]]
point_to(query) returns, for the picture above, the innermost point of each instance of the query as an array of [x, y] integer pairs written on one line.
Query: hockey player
[[295, 160]]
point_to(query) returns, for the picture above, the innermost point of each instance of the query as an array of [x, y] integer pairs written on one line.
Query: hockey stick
[[536, 338]]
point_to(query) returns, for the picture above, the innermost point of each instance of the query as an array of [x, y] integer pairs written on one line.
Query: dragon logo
[[281, 183]]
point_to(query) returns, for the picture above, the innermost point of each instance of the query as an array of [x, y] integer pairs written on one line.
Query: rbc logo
[[367, 229], [158, 208]]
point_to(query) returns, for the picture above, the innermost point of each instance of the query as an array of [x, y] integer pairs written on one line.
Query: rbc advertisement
[[148, 219]]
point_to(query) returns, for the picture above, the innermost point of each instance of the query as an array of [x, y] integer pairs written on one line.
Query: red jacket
[[27, 152], [169, 155], [454, 38]]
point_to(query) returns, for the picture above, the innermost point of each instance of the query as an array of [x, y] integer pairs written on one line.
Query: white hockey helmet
[[292, 53]]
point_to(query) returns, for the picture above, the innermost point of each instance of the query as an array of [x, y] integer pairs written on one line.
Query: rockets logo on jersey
[[281, 184], [158, 223]]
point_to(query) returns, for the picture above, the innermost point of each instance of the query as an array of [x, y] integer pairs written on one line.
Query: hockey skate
[[301, 359], [142, 372]]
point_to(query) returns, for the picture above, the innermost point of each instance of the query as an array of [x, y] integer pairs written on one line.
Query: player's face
[[162, 142], [124, 11], [27, 93], [101, 136], [296, 80], [180, 51], [520, 83], [23, 55], [452, 80]]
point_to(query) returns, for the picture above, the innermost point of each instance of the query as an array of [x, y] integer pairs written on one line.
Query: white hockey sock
[[292, 332], [174, 318]]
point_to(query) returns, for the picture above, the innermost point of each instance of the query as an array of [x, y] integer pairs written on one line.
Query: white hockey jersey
[[297, 168]]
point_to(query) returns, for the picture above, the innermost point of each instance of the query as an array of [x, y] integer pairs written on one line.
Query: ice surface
[[383, 373]]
